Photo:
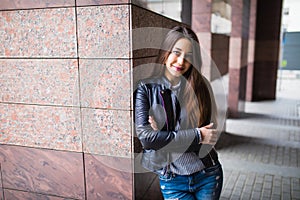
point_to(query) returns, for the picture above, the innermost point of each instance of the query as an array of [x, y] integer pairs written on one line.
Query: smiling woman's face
[[179, 60]]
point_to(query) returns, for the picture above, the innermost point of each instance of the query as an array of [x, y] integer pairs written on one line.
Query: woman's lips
[[178, 68]]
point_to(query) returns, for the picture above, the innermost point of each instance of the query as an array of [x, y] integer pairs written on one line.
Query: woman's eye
[[177, 53]]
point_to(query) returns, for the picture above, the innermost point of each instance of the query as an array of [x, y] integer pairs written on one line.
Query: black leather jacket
[[154, 97]]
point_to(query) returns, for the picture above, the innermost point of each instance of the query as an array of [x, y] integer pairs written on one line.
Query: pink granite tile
[[38, 33], [47, 172], [20, 195], [105, 181], [25, 4], [1, 187], [39, 81], [107, 132], [105, 83], [40, 126], [100, 2], [103, 31]]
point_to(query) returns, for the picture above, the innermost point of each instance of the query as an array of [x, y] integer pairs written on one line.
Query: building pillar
[[66, 111], [251, 50], [238, 49], [201, 24], [267, 45], [65, 101]]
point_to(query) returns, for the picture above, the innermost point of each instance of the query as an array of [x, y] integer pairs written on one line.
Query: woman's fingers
[[209, 135], [153, 123], [209, 125]]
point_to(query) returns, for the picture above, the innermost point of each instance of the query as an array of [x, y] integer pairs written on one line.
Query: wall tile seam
[[37, 58], [64, 106], [105, 58], [38, 104], [42, 148], [102, 5], [27, 9], [107, 109], [1, 183], [58, 7], [36, 193], [131, 157]]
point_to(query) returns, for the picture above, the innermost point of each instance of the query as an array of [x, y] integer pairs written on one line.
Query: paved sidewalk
[[260, 151]]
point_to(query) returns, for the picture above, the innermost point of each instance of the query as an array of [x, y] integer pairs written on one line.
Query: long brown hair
[[196, 94]]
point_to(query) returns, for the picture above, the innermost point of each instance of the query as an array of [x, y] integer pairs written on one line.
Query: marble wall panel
[[142, 183], [249, 89], [264, 80], [39, 81], [108, 177], [40, 126], [220, 52], [48, 172], [233, 98], [266, 50], [252, 20], [170, 23], [103, 31], [26, 4], [144, 68], [105, 83], [1, 187], [154, 191], [201, 6], [107, 132], [201, 15], [38, 33], [235, 52], [142, 17], [201, 22], [100, 2], [20, 195], [236, 18], [147, 32]]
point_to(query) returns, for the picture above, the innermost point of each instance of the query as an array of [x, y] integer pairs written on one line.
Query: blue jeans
[[202, 185]]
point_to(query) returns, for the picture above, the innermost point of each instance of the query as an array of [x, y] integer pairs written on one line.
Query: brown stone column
[[267, 43], [201, 24], [238, 56], [251, 50]]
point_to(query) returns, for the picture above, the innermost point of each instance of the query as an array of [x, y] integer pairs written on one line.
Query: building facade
[[67, 81]]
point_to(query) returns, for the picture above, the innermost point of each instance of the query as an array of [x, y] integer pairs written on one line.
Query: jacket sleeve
[[169, 140]]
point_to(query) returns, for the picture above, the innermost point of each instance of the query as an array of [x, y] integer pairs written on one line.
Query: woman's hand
[[209, 134], [153, 123]]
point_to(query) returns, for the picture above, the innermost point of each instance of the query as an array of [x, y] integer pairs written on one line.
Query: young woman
[[175, 122]]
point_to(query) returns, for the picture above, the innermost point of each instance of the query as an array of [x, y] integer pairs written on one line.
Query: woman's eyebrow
[[176, 48]]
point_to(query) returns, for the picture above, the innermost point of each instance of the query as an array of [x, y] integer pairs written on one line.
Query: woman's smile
[[178, 68]]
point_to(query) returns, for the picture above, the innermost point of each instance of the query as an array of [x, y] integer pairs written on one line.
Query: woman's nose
[[180, 59]]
